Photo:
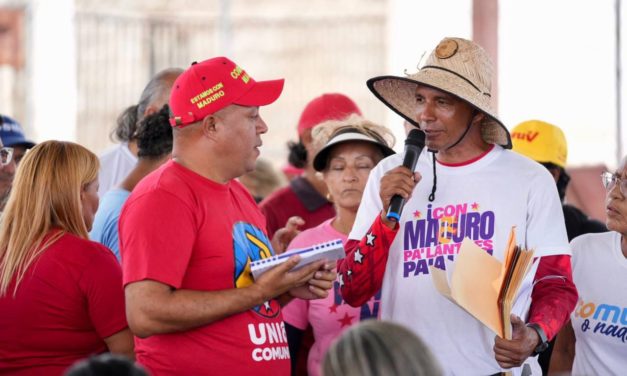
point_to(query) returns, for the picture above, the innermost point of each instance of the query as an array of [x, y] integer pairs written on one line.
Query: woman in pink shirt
[[348, 150]]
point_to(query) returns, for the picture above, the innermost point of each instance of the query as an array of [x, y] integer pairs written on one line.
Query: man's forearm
[[155, 308]]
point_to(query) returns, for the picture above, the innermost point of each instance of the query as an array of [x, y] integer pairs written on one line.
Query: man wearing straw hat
[[466, 184]]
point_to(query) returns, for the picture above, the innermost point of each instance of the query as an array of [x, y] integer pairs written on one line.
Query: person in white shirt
[[118, 161], [594, 341], [465, 185]]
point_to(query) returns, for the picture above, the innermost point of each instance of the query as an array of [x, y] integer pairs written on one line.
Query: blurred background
[[69, 67]]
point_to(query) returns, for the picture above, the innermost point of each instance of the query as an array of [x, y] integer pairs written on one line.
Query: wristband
[[544, 343]]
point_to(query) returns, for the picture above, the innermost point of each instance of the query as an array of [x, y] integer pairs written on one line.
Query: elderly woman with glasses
[[61, 295], [347, 151], [594, 341]]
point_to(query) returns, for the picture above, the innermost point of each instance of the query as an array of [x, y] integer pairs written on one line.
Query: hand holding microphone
[[400, 180]]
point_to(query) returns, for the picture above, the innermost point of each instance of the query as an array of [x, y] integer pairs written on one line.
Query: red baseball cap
[[331, 106], [209, 86]]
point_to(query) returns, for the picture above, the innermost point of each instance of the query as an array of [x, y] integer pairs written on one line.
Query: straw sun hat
[[456, 66], [352, 129]]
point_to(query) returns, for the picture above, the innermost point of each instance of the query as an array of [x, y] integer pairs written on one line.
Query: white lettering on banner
[[271, 353], [267, 332]]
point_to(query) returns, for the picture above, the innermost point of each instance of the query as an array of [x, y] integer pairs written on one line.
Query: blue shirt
[[105, 227]]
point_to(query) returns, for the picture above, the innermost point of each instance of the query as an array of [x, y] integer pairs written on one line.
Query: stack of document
[[485, 287], [332, 250]]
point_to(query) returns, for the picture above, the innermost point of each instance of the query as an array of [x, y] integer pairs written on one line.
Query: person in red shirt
[[189, 232], [61, 297]]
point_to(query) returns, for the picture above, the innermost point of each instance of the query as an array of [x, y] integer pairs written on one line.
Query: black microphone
[[414, 144]]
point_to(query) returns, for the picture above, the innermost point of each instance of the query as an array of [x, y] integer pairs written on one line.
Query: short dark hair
[[154, 135], [297, 156]]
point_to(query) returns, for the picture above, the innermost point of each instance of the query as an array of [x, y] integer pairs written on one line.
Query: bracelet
[[544, 343]]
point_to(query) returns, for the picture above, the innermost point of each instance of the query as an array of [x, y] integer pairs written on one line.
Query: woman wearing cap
[[305, 196], [61, 296], [593, 342], [349, 150]]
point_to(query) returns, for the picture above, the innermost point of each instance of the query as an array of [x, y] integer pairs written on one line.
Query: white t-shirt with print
[[600, 319], [481, 200]]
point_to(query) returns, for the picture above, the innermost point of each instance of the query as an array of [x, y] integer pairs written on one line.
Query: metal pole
[[619, 135]]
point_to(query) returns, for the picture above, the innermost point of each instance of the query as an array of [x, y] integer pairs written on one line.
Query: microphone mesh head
[[416, 137]]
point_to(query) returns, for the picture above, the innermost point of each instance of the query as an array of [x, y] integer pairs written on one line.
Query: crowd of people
[[140, 262]]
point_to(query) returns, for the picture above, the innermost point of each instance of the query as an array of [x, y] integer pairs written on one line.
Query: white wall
[[52, 64], [415, 28], [557, 64]]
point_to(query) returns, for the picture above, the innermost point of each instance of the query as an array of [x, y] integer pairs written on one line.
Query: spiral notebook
[[331, 250]]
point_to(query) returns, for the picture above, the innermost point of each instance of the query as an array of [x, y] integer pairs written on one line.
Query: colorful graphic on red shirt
[[428, 241], [251, 244]]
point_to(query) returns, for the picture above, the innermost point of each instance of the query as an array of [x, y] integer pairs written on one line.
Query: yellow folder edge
[[477, 280]]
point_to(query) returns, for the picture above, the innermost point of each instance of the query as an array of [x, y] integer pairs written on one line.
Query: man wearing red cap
[[305, 196], [189, 232]]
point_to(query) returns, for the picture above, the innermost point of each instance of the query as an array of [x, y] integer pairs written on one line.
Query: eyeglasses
[[609, 181], [6, 155]]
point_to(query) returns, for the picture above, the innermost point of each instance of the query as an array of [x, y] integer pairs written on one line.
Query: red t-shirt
[[69, 300], [299, 198], [189, 232]]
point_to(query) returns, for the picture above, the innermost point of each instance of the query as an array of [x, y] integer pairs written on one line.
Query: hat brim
[[321, 158], [25, 144], [262, 93], [399, 93]]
